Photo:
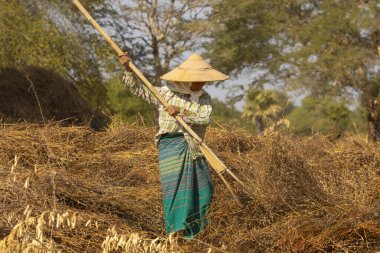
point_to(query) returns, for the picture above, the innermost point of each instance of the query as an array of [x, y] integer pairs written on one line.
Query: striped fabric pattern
[[186, 185]]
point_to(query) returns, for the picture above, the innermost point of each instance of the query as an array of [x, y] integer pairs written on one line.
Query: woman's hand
[[124, 60], [172, 110]]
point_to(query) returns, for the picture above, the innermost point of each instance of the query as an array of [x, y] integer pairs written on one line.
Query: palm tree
[[263, 107]]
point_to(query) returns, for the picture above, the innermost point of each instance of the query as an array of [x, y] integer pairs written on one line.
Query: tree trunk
[[373, 107], [157, 61], [158, 72]]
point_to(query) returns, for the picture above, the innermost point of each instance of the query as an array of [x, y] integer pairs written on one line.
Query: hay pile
[[38, 95], [71, 189]]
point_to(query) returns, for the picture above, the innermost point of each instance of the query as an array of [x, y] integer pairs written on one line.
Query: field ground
[[72, 189]]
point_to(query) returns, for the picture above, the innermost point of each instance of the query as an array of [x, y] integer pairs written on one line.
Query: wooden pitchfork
[[212, 159]]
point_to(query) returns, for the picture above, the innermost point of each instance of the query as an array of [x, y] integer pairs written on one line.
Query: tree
[[226, 114], [319, 114], [263, 107], [338, 50], [32, 38], [155, 33], [329, 46], [126, 105], [158, 31], [241, 34]]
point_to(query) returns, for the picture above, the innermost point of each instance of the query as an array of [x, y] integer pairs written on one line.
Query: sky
[[222, 92]]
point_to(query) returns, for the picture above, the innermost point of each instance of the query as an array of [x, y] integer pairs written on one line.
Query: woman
[[185, 177]]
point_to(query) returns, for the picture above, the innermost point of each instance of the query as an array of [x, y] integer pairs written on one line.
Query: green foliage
[[263, 107], [29, 37], [53, 34], [226, 114], [342, 36], [319, 114], [341, 39], [241, 33], [358, 121], [129, 107], [327, 46]]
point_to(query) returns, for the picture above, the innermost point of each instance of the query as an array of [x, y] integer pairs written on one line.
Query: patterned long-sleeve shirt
[[197, 116]]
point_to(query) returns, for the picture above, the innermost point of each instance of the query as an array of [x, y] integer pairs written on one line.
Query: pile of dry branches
[[71, 189]]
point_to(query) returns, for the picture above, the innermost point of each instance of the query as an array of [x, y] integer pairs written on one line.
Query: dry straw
[[310, 194]]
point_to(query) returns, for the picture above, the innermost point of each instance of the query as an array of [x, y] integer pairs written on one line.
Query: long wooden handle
[[135, 69]]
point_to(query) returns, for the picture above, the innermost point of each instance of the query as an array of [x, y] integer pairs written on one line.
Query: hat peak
[[195, 61], [195, 56]]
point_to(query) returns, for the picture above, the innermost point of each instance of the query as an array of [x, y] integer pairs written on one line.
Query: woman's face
[[196, 86]]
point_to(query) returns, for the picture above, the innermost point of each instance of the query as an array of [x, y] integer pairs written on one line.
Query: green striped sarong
[[186, 186]]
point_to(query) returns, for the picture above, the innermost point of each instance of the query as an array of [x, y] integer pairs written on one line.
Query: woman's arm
[[138, 89], [198, 114], [134, 85]]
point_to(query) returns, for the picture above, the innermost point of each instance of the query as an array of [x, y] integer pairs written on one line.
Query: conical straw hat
[[194, 69]]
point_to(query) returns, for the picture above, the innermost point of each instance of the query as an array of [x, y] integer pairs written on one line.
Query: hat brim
[[194, 75]]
